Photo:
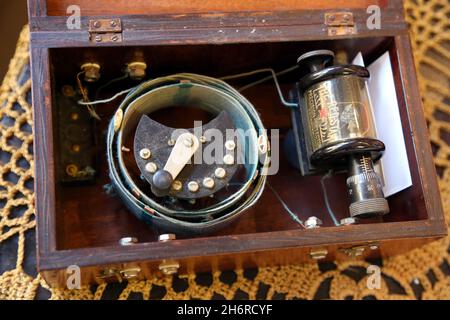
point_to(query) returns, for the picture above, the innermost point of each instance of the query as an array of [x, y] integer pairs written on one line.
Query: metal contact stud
[[208, 183], [230, 145], [228, 159], [151, 167], [220, 173], [193, 186], [145, 153]]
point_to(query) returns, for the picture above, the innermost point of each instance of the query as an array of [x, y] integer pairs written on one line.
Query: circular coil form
[[181, 208]]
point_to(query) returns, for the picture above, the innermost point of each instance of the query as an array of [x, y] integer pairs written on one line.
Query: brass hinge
[[105, 30], [340, 23]]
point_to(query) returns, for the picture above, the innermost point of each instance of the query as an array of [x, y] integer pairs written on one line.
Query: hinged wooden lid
[[211, 21]]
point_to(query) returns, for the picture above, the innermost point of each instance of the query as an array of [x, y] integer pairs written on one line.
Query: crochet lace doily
[[422, 273]]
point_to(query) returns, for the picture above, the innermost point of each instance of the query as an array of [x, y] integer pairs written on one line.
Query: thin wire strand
[[85, 99], [123, 77], [81, 102], [325, 195], [273, 75], [286, 207], [280, 73]]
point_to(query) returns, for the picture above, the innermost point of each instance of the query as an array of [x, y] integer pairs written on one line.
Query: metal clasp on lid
[[340, 23], [105, 30]]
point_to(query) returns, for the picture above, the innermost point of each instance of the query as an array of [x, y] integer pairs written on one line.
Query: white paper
[[394, 170]]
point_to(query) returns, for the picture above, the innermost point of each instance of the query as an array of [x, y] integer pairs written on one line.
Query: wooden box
[[82, 225]]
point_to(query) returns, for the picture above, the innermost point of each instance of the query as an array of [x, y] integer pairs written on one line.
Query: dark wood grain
[[210, 7]]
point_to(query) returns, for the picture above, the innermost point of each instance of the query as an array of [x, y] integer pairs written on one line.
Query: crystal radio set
[[198, 179], [179, 137]]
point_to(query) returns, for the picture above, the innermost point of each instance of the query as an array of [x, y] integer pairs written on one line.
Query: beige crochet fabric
[[420, 273]]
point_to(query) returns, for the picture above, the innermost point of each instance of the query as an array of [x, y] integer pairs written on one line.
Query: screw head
[[220, 173], [76, 148], [128, 241], [208, 183], [188, 142], [97, 24], [72, 170], [74, 116], [151, 167], [113, 23], [68, 91], [348, 221], [313, 222], [193, 186], [331, 17], [114, 38], [166, 237], [145, 153], [98, 38], [177, 185]]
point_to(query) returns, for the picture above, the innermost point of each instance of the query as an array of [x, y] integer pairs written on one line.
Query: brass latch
[[357, 251], [340, 23], [105, 30]]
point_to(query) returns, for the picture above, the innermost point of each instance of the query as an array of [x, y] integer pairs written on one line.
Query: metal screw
[[113, 23], [228, 159], [318, 254], [166, 237], [169, 267], [373, 247], [98, 38], [72, 170], [331, 17], [220, 173], [313, 222], [193, 186], [68, 91], [151, 167], [76, 148], [177, 185], [131, 273], [145, 153], [348, 221], [97, 24], [208, 183], [128, 241], [188, 142], [114, 38], [74, 116], [346, 17]]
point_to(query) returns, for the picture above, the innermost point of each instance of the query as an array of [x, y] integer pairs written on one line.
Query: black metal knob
[[365, 189], [313, 61], [162, 179]]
